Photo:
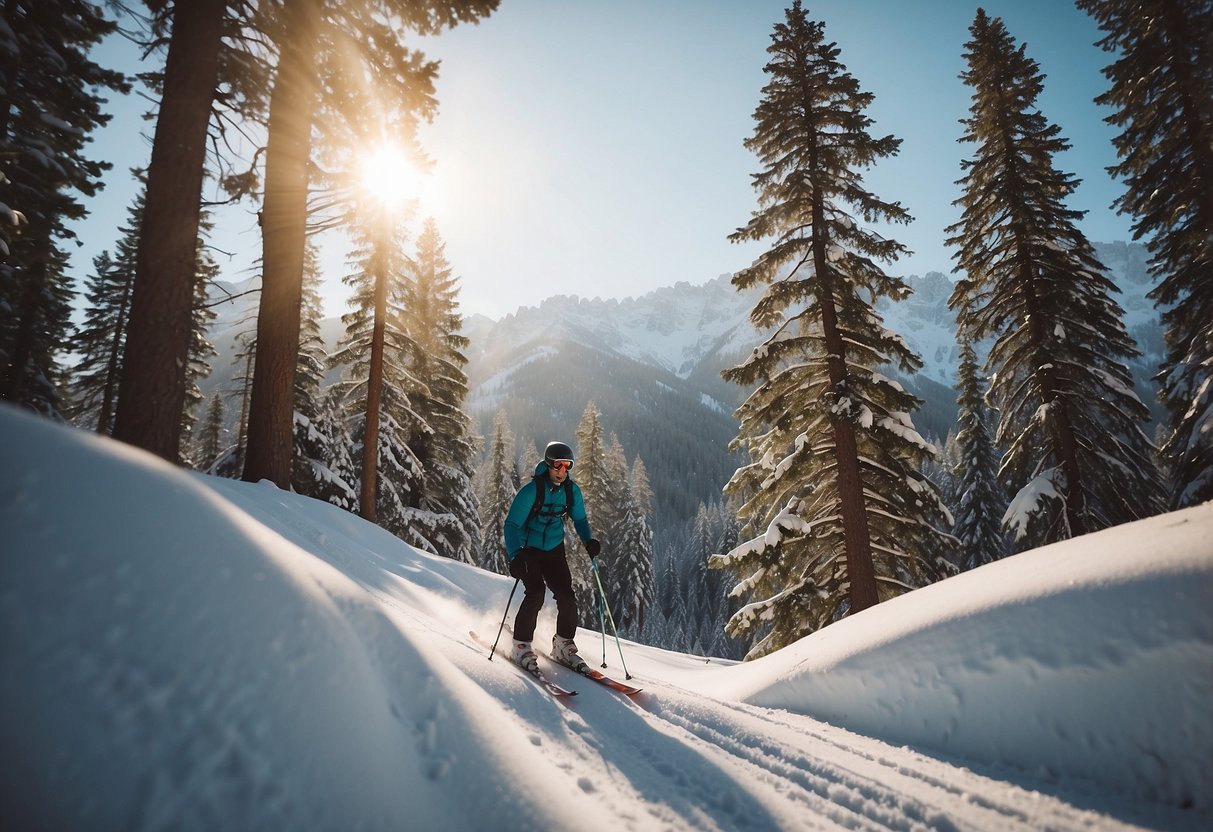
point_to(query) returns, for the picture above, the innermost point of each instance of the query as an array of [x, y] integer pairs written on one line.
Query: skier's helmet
[[558, 452]]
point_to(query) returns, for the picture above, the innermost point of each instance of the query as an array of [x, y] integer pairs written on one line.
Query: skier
[[534, 540]]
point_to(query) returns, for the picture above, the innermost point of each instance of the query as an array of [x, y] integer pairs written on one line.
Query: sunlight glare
[[389, 177]]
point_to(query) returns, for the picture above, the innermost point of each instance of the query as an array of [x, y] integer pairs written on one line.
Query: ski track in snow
[[687, 762], [670, 759]]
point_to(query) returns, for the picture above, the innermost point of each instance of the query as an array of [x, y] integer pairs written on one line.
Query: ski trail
[[703, 764]]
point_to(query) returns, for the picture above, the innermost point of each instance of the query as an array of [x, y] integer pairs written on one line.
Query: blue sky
[[595, 148]]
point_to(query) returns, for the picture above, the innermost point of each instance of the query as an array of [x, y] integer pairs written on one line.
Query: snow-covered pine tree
[[844, 518], [591, 473], [46, 120], [979, 498], [431, 317], [496, 484], [612, 501], [700, 602], [1162, 92], [634, 559], [377, 385], [1070, 422], [631, 567], [642, 491], [321, 466], [211, 434]]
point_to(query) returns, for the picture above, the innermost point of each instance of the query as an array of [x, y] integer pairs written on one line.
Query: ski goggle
[[560, 464]]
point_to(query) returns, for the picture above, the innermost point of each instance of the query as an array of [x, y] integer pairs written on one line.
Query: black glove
[[518, 567], [593, 547]]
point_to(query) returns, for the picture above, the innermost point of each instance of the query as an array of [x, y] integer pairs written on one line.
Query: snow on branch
[[1032, 500]]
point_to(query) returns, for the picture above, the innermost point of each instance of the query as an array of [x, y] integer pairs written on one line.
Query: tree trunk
[[857, 543], [152, 392], [374, 395], [284, 233]]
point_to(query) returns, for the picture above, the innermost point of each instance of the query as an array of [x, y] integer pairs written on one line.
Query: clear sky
[[595, 148]]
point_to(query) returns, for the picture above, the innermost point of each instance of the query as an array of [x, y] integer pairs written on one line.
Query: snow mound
[[1091, 658]]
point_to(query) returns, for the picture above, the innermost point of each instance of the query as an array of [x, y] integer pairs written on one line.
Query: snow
[[187, 652], [1027, 503]]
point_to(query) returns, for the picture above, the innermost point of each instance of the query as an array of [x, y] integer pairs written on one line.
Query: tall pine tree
[[843, 517], [349, 56], [1071, 424], [497, 483], [591, 472], [446, 451], [1162, 89], [46, 118], [98, 341]]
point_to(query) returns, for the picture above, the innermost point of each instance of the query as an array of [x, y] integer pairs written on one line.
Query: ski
[[602, 679], [552, 687]]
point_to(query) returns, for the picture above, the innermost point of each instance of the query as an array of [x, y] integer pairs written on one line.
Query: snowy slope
[[191, 653]]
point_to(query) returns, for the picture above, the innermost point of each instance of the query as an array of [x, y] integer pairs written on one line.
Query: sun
[[388, 176]]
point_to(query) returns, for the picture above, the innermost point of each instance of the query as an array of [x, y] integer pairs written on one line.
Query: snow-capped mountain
[[673, 328], [679, 328], [652, 364]]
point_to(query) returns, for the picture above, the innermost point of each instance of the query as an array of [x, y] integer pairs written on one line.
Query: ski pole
[[610, 618], [507, 612], [602, 627]]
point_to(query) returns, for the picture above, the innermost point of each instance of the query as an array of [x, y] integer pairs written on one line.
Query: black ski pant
[[546, 570]]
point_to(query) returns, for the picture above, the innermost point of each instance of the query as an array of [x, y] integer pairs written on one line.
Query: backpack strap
[[540, 491]]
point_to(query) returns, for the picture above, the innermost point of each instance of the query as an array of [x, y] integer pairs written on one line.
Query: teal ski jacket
[[545, 530]]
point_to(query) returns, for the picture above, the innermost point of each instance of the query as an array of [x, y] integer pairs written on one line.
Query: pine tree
[[211, 434], [46, 119], [377, 387], [497, 483], [592, 462], [631, 569], [833, 480], [1162, 89], [613, 497], [99, 341], [980, 501], [641, 490], [431, 310], [592, 472], [315, 64], [1071, 424], [371, 350], [321, 466]]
